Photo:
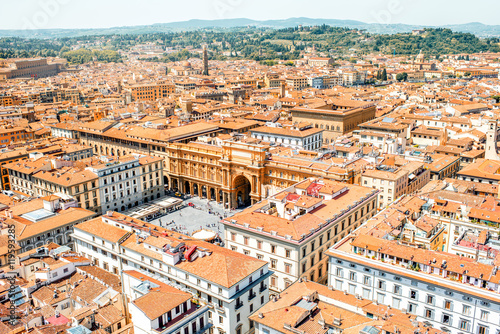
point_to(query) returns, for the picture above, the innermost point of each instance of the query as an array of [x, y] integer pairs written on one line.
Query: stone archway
[[242, 188], [187, 188], [195, 189]]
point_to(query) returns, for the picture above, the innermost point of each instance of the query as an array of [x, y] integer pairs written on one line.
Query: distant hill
[[476, 28]]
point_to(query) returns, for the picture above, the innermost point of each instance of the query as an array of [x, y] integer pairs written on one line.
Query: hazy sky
[[46, 14]]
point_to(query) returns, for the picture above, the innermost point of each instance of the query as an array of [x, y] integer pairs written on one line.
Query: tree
[[496, 98], [268, 62], [467, 74], [402, 76], [384, 75]]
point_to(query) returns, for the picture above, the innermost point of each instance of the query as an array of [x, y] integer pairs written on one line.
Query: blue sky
[[22, 14]]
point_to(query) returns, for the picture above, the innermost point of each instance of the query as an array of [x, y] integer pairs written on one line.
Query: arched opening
[[220, 196], [165, 182], [187, 188], [212, 194], [122, 208], [175, 187], [203, 191], [129, 206], [242, 190], [195, 189]]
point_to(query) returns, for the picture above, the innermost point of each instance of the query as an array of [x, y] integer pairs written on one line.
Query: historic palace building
[[337, 117], [235, 172]]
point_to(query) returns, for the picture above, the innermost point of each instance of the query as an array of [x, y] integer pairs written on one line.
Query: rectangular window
[[466, 310], [482, 329], [366, 293], [448, 305], [397, 289], [429, 313], [464, 324], [430, 299], [412, 308], [396, 302], [380, 298], [447, 319]]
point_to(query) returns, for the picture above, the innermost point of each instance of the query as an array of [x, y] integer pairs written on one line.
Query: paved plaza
[[205, 214]]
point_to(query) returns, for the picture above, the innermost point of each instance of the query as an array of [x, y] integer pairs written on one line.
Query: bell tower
[[205, 60], [491, 141]]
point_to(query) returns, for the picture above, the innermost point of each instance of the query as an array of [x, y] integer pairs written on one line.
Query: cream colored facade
[[292, 258], [392, 183]]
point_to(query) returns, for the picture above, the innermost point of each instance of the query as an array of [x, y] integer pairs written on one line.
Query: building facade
[[292, 229], [231, 284]]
